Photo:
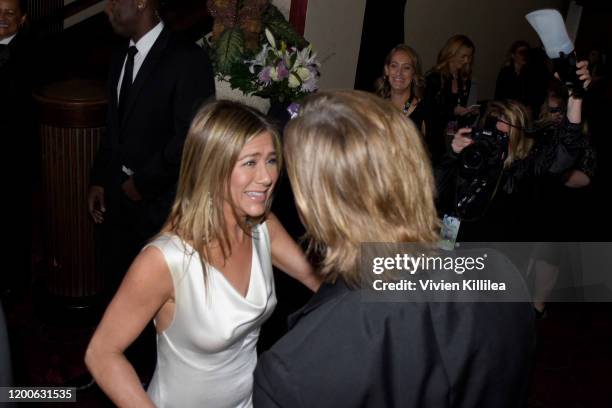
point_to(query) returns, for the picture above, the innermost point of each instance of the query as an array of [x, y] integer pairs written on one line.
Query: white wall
[[493, 25], [334, 29], [284, 6]]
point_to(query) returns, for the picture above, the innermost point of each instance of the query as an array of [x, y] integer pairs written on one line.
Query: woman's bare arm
[[144, 290], [289, 257]]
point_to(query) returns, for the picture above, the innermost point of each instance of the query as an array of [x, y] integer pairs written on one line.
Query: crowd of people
[[547, 143], [182, 188]]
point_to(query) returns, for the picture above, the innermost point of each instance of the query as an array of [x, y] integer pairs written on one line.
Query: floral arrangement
[[257, 51]]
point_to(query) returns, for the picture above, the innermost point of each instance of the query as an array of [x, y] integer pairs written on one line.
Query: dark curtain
[[383, 29]]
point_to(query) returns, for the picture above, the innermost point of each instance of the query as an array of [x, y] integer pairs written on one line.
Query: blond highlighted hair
[[450, 51], [215, 139], [417, 86], [516, 115], [360, 173]]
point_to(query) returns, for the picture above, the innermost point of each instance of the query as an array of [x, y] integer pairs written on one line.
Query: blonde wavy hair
[[215, 139], [360, 173], [517, 116], [450, 51], [417, 86]]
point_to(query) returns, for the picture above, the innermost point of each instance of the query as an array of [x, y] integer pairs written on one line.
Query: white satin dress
[[207, 355]]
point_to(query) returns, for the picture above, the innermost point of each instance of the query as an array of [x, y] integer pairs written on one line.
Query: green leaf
[[229, 49], [274, 20], [241, 78]]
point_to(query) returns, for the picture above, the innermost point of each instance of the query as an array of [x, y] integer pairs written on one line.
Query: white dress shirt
[[143, 45], [7, 40]]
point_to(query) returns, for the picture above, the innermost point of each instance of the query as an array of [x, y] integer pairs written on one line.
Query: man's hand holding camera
[[461, 140], [574, 104]]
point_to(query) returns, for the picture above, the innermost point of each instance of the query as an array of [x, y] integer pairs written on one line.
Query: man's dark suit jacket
[[174, 80], [16, 89], [345, 352]]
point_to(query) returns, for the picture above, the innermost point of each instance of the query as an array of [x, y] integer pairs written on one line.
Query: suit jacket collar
[[327, 292], [153, 58], [12, 49]]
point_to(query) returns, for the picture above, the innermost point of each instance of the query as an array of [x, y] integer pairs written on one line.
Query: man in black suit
[[14, 68], [157, 83], [350, 347], [17, 127]]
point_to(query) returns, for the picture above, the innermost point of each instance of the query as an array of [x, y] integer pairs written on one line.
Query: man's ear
[[23, 20]]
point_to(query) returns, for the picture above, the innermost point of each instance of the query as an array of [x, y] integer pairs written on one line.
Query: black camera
[[480, 168], [487, 153], [565, 66]]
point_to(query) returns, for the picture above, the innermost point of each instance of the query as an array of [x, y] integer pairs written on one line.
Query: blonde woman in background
[[447, 91], [206, 279], [403, 83]]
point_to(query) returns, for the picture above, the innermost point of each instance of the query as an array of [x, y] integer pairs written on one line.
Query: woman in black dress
[[403, 83], [447, 89]]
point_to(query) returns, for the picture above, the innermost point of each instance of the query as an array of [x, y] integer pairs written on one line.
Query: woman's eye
[[272, 160], [249, 163]]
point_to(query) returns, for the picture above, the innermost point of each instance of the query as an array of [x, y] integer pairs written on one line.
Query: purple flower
[[264, 76], [310, 85], [282, 70]]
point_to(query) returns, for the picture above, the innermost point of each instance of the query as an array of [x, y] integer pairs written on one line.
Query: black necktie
[[126, 83]]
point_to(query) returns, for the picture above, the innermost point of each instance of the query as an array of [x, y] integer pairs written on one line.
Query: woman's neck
[[235, 231], [399, 99]]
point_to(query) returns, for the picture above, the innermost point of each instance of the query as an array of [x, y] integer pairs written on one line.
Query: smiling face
[[400, 71], [254, 176], [11, 18]]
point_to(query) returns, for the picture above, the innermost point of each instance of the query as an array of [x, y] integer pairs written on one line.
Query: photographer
[[487, 180]]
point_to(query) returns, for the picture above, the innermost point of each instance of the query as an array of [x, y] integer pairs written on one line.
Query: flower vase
[[224, 90], [278, 112]]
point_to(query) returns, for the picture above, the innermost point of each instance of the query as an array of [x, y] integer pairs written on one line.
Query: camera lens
[[473, 158]]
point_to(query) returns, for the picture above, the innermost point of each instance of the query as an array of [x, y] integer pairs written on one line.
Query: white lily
[[303, 73], [306, 57], [260, 59], [294, 81], [274, 74], [270, 38]]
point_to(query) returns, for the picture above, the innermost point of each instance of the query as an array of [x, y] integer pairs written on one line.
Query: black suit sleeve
[[194, 86], [104, 154], [272, 384]]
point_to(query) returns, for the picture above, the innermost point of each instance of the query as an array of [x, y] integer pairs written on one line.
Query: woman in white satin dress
[[206, 279]]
